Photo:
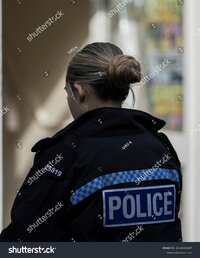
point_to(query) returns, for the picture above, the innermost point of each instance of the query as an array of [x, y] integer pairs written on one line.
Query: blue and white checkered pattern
[[122, 177]]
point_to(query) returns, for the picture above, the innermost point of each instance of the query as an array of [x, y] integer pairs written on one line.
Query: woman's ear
[[80, 91]]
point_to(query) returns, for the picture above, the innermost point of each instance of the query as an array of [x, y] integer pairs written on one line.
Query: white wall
[[191, 198], [1, 133]]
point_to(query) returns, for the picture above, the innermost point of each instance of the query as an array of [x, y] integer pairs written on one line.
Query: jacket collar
[[99, 121]]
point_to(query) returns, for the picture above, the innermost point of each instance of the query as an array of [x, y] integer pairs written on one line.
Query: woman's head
[[99, 75]]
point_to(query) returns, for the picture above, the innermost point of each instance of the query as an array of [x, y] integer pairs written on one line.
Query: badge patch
[[53, 170], [139, 205]]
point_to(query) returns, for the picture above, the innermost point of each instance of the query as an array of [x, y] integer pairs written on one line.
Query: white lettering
[[156, 212], [138, 203], [125, 209], [166, 203], [113, 207], [149, 205]]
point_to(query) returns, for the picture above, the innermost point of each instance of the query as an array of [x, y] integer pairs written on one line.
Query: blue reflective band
[[130, 176], [141, 205]]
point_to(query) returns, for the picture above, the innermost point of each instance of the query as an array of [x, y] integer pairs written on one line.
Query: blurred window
[[151, 30]]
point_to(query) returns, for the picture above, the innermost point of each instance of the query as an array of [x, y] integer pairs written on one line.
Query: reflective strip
[[131, 176]]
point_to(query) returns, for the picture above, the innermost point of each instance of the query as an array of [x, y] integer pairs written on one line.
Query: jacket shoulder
[[55, 157]]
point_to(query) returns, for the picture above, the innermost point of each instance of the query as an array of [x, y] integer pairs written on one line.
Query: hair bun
[[123, 70]]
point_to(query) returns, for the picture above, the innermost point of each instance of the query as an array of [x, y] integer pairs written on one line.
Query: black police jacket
[[107, 176]]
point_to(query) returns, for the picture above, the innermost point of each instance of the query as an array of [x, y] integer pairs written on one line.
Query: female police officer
[[107, 176]]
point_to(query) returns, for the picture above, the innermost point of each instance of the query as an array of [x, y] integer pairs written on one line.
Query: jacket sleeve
[[39, 206], [173, 153]]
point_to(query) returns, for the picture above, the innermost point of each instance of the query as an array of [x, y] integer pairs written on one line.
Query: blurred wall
[[34, 79], [1, 133]]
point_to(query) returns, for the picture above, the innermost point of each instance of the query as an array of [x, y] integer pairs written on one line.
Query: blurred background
[[163, 35]]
